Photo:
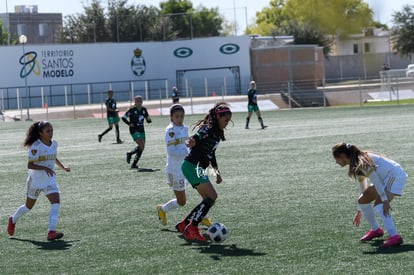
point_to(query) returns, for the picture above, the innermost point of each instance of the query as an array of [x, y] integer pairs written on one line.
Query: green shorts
[[252, 108], [137, 135], [112, 119], [195, 175]]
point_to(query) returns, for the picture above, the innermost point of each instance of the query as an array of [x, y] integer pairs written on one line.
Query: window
[[367, 48], [21, 29], [355, 48], [42, 29]]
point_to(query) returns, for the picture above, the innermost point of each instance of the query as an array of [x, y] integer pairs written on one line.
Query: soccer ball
[[217, 232]]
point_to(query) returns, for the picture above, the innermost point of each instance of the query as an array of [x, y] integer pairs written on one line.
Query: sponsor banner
[[65, 64]]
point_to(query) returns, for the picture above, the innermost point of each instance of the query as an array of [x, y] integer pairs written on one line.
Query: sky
[[240, 11]]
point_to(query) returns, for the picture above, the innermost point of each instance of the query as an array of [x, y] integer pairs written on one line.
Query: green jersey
[[136, 117]]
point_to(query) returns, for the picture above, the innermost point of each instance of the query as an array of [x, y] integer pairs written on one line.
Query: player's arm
[[33, 166], [125, 118], [213, 162], [148, 118], [60, 164], [363, 184]]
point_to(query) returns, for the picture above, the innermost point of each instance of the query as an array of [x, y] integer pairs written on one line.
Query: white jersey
[[175, 137], [43, 155], [386, 174]]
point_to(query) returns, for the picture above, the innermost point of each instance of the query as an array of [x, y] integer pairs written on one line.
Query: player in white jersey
[[176, 135], [42, 152], [388, 180]]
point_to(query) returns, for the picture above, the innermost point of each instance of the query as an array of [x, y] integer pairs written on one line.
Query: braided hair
[[210, 120]]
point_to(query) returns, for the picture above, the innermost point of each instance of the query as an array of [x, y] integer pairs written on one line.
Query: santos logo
[[54, 64]]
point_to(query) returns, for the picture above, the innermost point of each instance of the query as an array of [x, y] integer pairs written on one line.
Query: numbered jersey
[[43, 155], [177, 150]]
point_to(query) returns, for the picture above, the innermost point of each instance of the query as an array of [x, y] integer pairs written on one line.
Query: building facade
[[39, 28]]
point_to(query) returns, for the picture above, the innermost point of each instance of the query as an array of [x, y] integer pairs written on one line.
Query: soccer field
[[287, 205]]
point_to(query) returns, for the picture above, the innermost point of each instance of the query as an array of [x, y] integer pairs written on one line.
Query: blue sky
[[239, 11]]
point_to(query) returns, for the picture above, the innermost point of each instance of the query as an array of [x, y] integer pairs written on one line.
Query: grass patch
[[288, 207]]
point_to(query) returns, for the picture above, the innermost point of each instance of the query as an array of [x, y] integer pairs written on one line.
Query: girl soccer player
[[388, 179], [202, 154], [136, 116], [42, 151], [176, 135]]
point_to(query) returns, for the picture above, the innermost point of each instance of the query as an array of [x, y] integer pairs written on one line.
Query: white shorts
[[176, 182], [33, 189], [395, 182]]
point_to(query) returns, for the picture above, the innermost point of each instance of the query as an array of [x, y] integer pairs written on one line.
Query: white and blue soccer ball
[[217, 232]]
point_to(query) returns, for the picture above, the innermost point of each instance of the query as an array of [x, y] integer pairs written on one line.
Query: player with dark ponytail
[[195, 167]]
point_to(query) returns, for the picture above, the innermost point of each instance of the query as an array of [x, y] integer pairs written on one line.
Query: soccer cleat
[[118, 141], [53, 235], [392, 241], [206, 222], [128, 157], [371, 234], [264, 126], [181, 226], [162, 216], [11, 226], [99, 138], [134, 165], [192, 234]]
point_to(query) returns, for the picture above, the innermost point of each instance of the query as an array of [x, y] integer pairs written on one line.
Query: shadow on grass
[[218, 250], [48, 245], [148, 170], [390, 250]]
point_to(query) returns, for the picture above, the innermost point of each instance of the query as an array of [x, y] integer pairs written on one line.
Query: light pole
[[23, 41]]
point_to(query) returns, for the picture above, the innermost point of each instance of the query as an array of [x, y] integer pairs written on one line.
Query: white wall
[[105, 62]]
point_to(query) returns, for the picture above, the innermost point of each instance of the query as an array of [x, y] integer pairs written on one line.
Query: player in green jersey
[[111, 116], [196, 167], [134, 118], [252, 105]]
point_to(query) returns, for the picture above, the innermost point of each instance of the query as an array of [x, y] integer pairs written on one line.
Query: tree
[[331, 17], [304, 34], [186, 22], [87, 27], [403, 31]]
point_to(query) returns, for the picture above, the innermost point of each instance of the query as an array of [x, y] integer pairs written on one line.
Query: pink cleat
[[392, 241], [371, 234]]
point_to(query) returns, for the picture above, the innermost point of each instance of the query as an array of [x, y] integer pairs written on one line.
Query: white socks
[[369, 215], [170, 205], [19, 212], [54, 216], [387, 221]]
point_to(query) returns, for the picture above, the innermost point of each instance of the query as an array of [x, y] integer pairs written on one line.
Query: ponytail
[[358, 160]]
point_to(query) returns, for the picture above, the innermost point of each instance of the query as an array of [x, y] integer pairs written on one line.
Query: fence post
[[89, 93], [360, 91], [206, 85], [146, 89], [66, 95], [289, 96]]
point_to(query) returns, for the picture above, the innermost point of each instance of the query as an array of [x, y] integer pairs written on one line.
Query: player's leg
[[21, 210], [117, 134], [139, 149], [365, 205], [110, 126], [177, 182], [259, 117], [209, 195], [249, 115], [54, 199], [394, 188]]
